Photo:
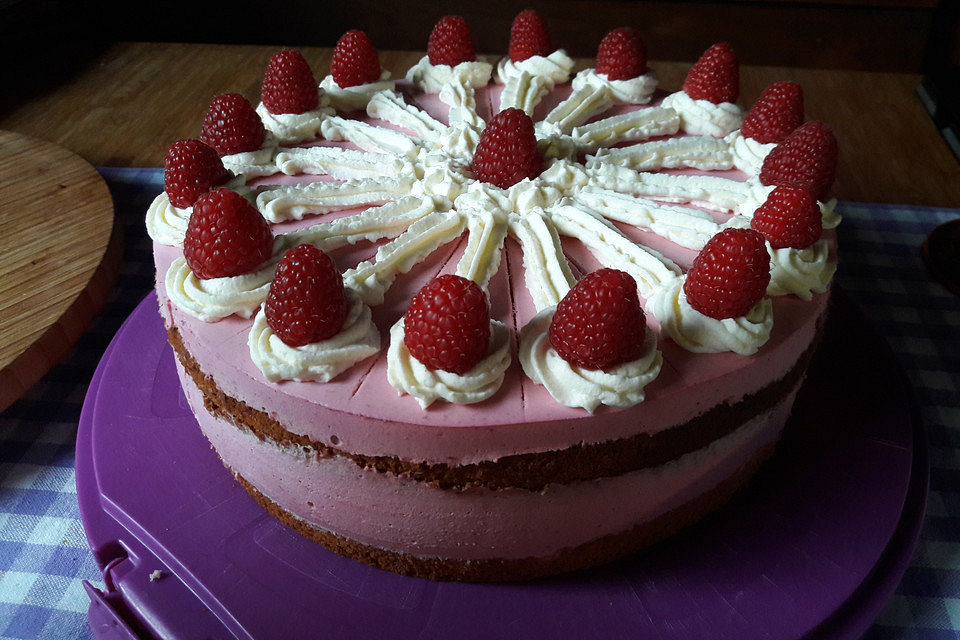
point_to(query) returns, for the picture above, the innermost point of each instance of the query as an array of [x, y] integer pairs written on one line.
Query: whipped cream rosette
[[526, 82], [291, 128], [697, 332], [573, 386], [801, 272], [748, 154], [315, 361], [703, 117], [213, 299], [593, 93], [411, 377], [257, 163], [355, 98]]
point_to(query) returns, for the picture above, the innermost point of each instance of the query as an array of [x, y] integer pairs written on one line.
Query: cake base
[[815, 544], [592, 553]]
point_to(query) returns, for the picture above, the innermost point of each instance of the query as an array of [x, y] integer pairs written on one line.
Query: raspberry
[[621, 55], [450, 42], [306, 302], [288, 84], [528, 37], [232, 126], [190, 169], [806, 158], [507, 152], [448, 324], [226, 236], [729, 275], [789, 218], [775, 114], [715, 76], [355, 60], [599, 324]]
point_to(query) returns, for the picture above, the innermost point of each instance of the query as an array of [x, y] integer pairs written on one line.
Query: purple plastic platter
[[814, 546]]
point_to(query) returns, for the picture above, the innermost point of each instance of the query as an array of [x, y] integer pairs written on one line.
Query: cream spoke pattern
[[414, 180]]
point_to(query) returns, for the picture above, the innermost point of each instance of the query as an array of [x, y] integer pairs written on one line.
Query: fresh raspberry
[[806, 158], [715, 76], [190, 169], [226, 236], [599, 324], [528, 37], [775, 114], [355, 60], [789, 218], [507, 152], [288, 84], [450, 42], [232, 126], [622, 55], [307, 302], [729, 275], [448, 324]]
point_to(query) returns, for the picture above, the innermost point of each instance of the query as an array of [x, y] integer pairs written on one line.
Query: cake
[[595, 418]]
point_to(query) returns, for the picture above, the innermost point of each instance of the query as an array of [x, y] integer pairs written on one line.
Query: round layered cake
[[528, 462]]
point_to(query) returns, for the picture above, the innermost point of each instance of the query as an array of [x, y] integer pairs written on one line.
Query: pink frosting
[[414, 518], [362, 413]]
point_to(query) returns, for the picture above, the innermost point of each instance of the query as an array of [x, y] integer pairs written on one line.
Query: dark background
[[44, 40], [879, 35]]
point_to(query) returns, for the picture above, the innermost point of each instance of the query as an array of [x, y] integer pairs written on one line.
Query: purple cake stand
[[814, 546]]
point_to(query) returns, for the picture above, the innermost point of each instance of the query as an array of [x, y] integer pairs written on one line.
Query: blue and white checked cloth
[[44, 556]]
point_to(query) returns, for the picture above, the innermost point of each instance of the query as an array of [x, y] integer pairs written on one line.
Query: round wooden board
[[59, 256]]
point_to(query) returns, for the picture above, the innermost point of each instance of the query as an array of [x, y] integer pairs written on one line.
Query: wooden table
[[136, 99], [59, 256]]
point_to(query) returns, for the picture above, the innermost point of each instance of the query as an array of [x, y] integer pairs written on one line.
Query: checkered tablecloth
[[44, 556]]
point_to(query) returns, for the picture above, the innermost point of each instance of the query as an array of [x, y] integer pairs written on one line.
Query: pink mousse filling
[[361, 413], [406, 516]]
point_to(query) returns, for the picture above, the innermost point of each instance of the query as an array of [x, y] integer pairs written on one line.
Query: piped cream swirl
[[410, 376], [748, 154], [317, 361], [354, 98], [802, 272], [213, 299], [432, 77], [637, 90], [167, 224], [702, 117], [573, 386], [290, 128], [253, 164], [528, 81], [699, 333]]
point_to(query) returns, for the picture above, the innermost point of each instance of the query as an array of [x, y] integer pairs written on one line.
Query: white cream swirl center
[[410, 376], [700, 333], [704, 118], [573, 386], [800, 271], [317, 361]]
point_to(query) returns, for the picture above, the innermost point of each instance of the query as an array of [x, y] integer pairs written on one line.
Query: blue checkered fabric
[[44, 556], [43, 552]]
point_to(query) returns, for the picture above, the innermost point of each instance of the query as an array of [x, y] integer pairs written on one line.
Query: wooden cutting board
[[59, 256]]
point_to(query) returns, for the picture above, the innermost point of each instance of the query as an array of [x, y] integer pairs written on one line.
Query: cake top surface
[[632, 178]]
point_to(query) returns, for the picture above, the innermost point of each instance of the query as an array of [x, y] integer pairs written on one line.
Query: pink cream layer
[[406, 516], [361, 413]]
